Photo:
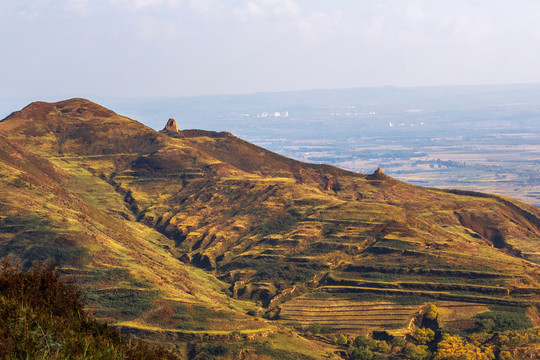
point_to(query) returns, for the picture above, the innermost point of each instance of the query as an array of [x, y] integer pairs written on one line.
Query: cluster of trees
[[453, 347], [422, 345], [428, 343], [367, 348]]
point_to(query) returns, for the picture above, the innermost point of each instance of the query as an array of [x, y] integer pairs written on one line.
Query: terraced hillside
[[129, 211], [359, 315], [346, 316]]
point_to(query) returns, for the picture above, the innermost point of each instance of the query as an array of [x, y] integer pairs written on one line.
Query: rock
[[378, 175], [171, 125]]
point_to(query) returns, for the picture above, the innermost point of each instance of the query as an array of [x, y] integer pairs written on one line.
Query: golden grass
[[143, 326]]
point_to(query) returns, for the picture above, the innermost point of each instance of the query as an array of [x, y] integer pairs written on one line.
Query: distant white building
[[276, 114]]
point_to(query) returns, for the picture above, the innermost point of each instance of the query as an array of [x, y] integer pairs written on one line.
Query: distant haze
[[53, 49]]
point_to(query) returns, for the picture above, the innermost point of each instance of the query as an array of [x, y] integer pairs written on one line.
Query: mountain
[[188, 230]]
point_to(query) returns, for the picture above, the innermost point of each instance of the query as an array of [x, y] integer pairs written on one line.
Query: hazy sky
[[70, 48]]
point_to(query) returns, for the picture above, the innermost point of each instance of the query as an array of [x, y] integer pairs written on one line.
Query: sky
[[147, 48]]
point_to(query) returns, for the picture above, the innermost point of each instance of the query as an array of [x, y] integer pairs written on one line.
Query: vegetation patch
[[503, 320], [265, 348], [129, 304], [121, 277], [38, 239], [279, 224], [409, 299], [197, 317]]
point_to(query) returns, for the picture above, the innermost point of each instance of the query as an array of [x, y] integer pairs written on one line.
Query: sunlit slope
[[274, 228], [54, 208]]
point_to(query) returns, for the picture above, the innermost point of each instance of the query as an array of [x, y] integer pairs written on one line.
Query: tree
[[382, 346], [432, 312], [398, 342], [365, 341], [361, 353], [419, 352], [423, 336], [505, 355], [342, 339], [453, 347]]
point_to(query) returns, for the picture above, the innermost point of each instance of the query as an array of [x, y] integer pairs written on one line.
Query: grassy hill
[[189, 231]]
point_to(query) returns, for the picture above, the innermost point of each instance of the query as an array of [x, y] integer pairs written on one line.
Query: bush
[[398, 342], [423, 336], [505, 355], [432, 312], [414, 352], [320, 329], [382, 346], [453, 347], [342, 339], [360, 353], [43, 317], [365, 341], [40, 288]]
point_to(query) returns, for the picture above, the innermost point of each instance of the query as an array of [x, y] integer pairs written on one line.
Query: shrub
[[505, 355], [342, 339], [365, 341], [423, 336], [382, 346], [414, 352], [432, 312], [360, 353], [398, 341], [320, 329], [43, 317], [453, 347]]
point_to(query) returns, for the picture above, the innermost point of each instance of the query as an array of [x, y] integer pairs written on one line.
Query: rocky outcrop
[[377, 175], [171, 126]]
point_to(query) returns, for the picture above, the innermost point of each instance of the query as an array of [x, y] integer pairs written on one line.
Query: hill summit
[[135, 214]]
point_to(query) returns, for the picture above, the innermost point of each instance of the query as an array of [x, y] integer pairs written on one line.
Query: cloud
[[79, 7], [249, 11], [472, 28], [149, 28], [284, 8], [142, 4], [207, 7], [287, 16], [319, 27], [276, 9]]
